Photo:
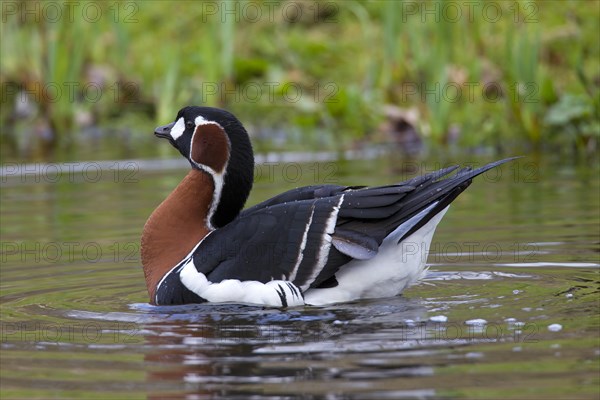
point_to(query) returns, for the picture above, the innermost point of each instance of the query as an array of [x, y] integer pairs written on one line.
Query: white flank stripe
[[323, 255], [292, 275], [218, 178], [409, 224], [233, 290], [396, 266]]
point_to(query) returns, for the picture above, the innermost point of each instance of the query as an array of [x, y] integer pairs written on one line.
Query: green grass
[[526, 79]]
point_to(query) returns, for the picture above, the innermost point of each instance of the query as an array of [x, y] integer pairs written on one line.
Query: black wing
[[301, 193], [286, 241], [307, 234]]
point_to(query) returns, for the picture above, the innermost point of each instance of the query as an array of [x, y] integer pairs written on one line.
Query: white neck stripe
[[218, 178]]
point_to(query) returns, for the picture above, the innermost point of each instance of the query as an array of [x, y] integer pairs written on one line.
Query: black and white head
[[214, 141]]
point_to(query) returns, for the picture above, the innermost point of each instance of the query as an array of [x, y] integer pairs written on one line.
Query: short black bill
[[164, 131]]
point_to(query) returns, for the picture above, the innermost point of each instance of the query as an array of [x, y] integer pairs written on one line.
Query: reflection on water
[[508, 309]]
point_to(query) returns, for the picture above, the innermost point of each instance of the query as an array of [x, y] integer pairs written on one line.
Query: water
[[509, 308]]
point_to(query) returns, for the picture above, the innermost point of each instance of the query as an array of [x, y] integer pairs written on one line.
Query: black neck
[[238, 178]]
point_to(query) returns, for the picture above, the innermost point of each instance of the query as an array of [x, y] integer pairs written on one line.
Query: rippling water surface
[[509, 308]]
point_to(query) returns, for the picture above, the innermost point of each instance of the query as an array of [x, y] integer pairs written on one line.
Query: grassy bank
[[487, 76]]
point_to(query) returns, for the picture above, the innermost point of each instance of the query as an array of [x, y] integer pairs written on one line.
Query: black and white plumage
[[312, 245]]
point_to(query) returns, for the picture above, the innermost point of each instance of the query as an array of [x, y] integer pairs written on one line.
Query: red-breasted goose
[[314, 245]]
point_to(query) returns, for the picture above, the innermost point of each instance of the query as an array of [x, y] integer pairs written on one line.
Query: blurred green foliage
[[501, 75]]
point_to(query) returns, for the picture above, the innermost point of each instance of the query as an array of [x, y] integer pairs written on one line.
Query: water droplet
[[438, 318], [554, 327]]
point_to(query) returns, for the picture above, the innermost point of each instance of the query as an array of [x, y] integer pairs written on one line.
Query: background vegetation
[[498, 76]]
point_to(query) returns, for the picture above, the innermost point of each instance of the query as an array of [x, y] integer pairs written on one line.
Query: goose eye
[[189, 124]]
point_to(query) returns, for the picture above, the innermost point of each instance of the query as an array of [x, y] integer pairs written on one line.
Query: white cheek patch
[[178, 129]]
